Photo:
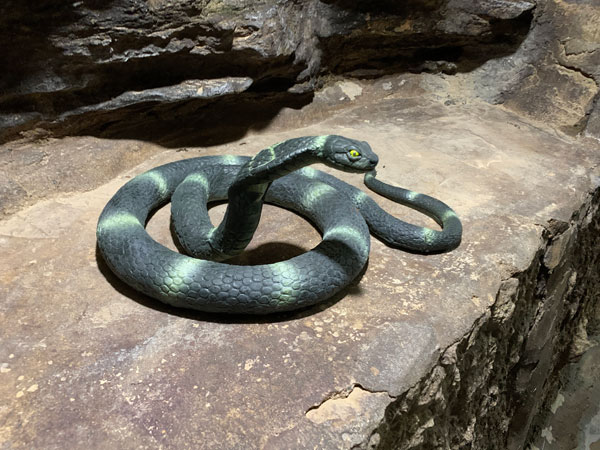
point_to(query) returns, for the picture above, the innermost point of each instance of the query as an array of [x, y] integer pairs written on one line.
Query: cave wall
[[554, 76], [115, 68]]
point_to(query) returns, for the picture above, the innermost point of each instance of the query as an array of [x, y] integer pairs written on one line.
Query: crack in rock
[[352, 413]]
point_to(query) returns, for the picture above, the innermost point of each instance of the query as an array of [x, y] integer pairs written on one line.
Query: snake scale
[[278, 175]]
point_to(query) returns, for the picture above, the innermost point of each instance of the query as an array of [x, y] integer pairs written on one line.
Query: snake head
[[349, 155]]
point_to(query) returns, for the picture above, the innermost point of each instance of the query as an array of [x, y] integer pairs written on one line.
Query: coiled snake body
[[277, 175]]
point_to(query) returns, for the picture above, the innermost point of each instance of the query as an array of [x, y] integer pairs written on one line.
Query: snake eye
[[354, 153]]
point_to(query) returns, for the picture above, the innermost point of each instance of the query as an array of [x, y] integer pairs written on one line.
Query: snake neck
[[279, 160], [246, 194]]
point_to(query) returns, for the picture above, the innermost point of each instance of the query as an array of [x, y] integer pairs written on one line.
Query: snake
[[200, 278]]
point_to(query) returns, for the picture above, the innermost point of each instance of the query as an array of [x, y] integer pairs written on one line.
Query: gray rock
[[554, 76], [72, 60], [186, 90]]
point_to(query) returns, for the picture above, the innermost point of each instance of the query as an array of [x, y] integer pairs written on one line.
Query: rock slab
[[421, 352]]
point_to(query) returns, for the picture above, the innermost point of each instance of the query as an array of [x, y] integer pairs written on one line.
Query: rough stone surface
[[554, 76], [71, 63], [440, 351], [574, 415], [507, 368], [33, 170]]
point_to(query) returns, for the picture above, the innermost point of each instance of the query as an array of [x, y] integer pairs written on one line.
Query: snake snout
[[370, 161]]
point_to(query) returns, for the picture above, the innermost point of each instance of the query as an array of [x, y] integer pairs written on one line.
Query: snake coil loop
[[343, 214]]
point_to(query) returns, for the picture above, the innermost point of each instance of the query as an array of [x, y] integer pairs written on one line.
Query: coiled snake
[[277, 175]]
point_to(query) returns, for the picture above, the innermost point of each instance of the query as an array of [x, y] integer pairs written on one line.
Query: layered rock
[[72, 64], [554, 76]]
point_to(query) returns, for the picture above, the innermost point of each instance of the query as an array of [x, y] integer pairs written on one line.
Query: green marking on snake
[[158, 180], [232, 159], [261, 158], [302, 281], [284, 268], [411, 195], [429, 235], [346, 232], [286, 273], [309, 172], [319, 142], [184, 270], [314, 194], [197, 178], [360, 196], [448, 214], [119, 220]]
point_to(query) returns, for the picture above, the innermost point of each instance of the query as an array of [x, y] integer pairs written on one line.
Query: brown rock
[[410, 356]]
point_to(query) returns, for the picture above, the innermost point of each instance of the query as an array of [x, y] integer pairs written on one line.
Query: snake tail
[[410, 237]]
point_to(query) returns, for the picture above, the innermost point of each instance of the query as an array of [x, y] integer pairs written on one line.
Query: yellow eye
[[354, 153]]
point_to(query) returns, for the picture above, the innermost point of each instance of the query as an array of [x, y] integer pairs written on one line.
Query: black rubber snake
[[278, 175]]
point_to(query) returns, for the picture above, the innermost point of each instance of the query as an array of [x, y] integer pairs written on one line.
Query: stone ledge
[[86, 360], [489, 390], [186, 90]]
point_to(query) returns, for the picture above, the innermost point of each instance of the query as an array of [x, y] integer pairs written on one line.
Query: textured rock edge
[[96, 70], [490, 389]]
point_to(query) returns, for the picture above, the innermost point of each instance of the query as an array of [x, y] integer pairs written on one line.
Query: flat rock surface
[[84, 360]]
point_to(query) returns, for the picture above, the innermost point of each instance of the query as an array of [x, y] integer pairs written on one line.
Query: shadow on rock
[[188, 122], [270, 252]]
